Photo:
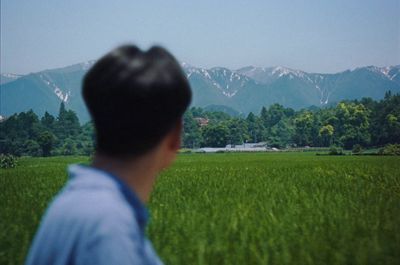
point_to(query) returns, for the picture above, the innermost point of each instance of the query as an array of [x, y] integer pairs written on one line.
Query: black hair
[[135, 98]]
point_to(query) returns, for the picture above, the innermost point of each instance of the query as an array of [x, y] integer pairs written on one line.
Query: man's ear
[[175, 137], [171, 145]]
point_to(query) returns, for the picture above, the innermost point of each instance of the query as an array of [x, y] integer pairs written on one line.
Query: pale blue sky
[[312, 35]]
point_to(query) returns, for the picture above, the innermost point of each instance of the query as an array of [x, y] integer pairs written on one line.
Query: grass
[[275, 208]]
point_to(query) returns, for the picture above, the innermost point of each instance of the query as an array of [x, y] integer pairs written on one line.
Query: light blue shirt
[[95, 219]]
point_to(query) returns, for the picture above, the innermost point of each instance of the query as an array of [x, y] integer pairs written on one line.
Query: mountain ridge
[[245, 89]]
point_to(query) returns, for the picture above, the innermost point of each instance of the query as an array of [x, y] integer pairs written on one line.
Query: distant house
[[2, 118], [248, 145], [201, 121]]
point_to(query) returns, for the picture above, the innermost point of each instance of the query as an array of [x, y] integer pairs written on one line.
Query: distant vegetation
[[367, 123], [350, 125], [26, 134], [8, 161]]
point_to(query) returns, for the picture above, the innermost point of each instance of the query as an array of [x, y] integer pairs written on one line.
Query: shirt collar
[[139, 208]]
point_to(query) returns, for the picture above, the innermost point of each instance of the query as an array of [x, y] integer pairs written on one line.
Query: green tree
[[31, 148], [281, 134], [255, 128], [273, 115], [191, 131], [67, 124], [238, 131], [385, 121], [48, 121], [69, 147], [46, 140], [357, 149], [326, 134], [29, 125], [303, 125], [352, 124], [215, 135]]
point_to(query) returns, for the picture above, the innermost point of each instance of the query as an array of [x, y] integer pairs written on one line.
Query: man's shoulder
[[84, 221], [91, 207]]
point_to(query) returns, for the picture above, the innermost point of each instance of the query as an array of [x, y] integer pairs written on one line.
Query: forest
[[367, 123]]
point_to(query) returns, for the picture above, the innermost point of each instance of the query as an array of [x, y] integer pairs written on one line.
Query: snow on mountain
[[62, 94], [230, 82], [88, 64], [324, 84], [391, 72], [52, 78], [222, 79], [8, 77], [245, 89], [282, 71], [266, 75]]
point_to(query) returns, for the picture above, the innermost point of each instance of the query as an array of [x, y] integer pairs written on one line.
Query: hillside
[[242, 90]]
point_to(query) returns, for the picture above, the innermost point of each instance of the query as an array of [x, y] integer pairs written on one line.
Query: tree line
[[27, 134], [365, 122]]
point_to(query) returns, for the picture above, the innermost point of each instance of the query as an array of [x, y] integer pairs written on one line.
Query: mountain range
[[243, 90]]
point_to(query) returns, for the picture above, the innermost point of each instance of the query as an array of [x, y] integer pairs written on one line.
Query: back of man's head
[[135, 98]]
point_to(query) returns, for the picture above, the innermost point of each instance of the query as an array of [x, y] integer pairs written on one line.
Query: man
[[136, 100]]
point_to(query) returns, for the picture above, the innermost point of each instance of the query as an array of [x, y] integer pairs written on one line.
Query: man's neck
[[139, 173]]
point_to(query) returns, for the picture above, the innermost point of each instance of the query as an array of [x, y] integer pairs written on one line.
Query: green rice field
[[231, 208]]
